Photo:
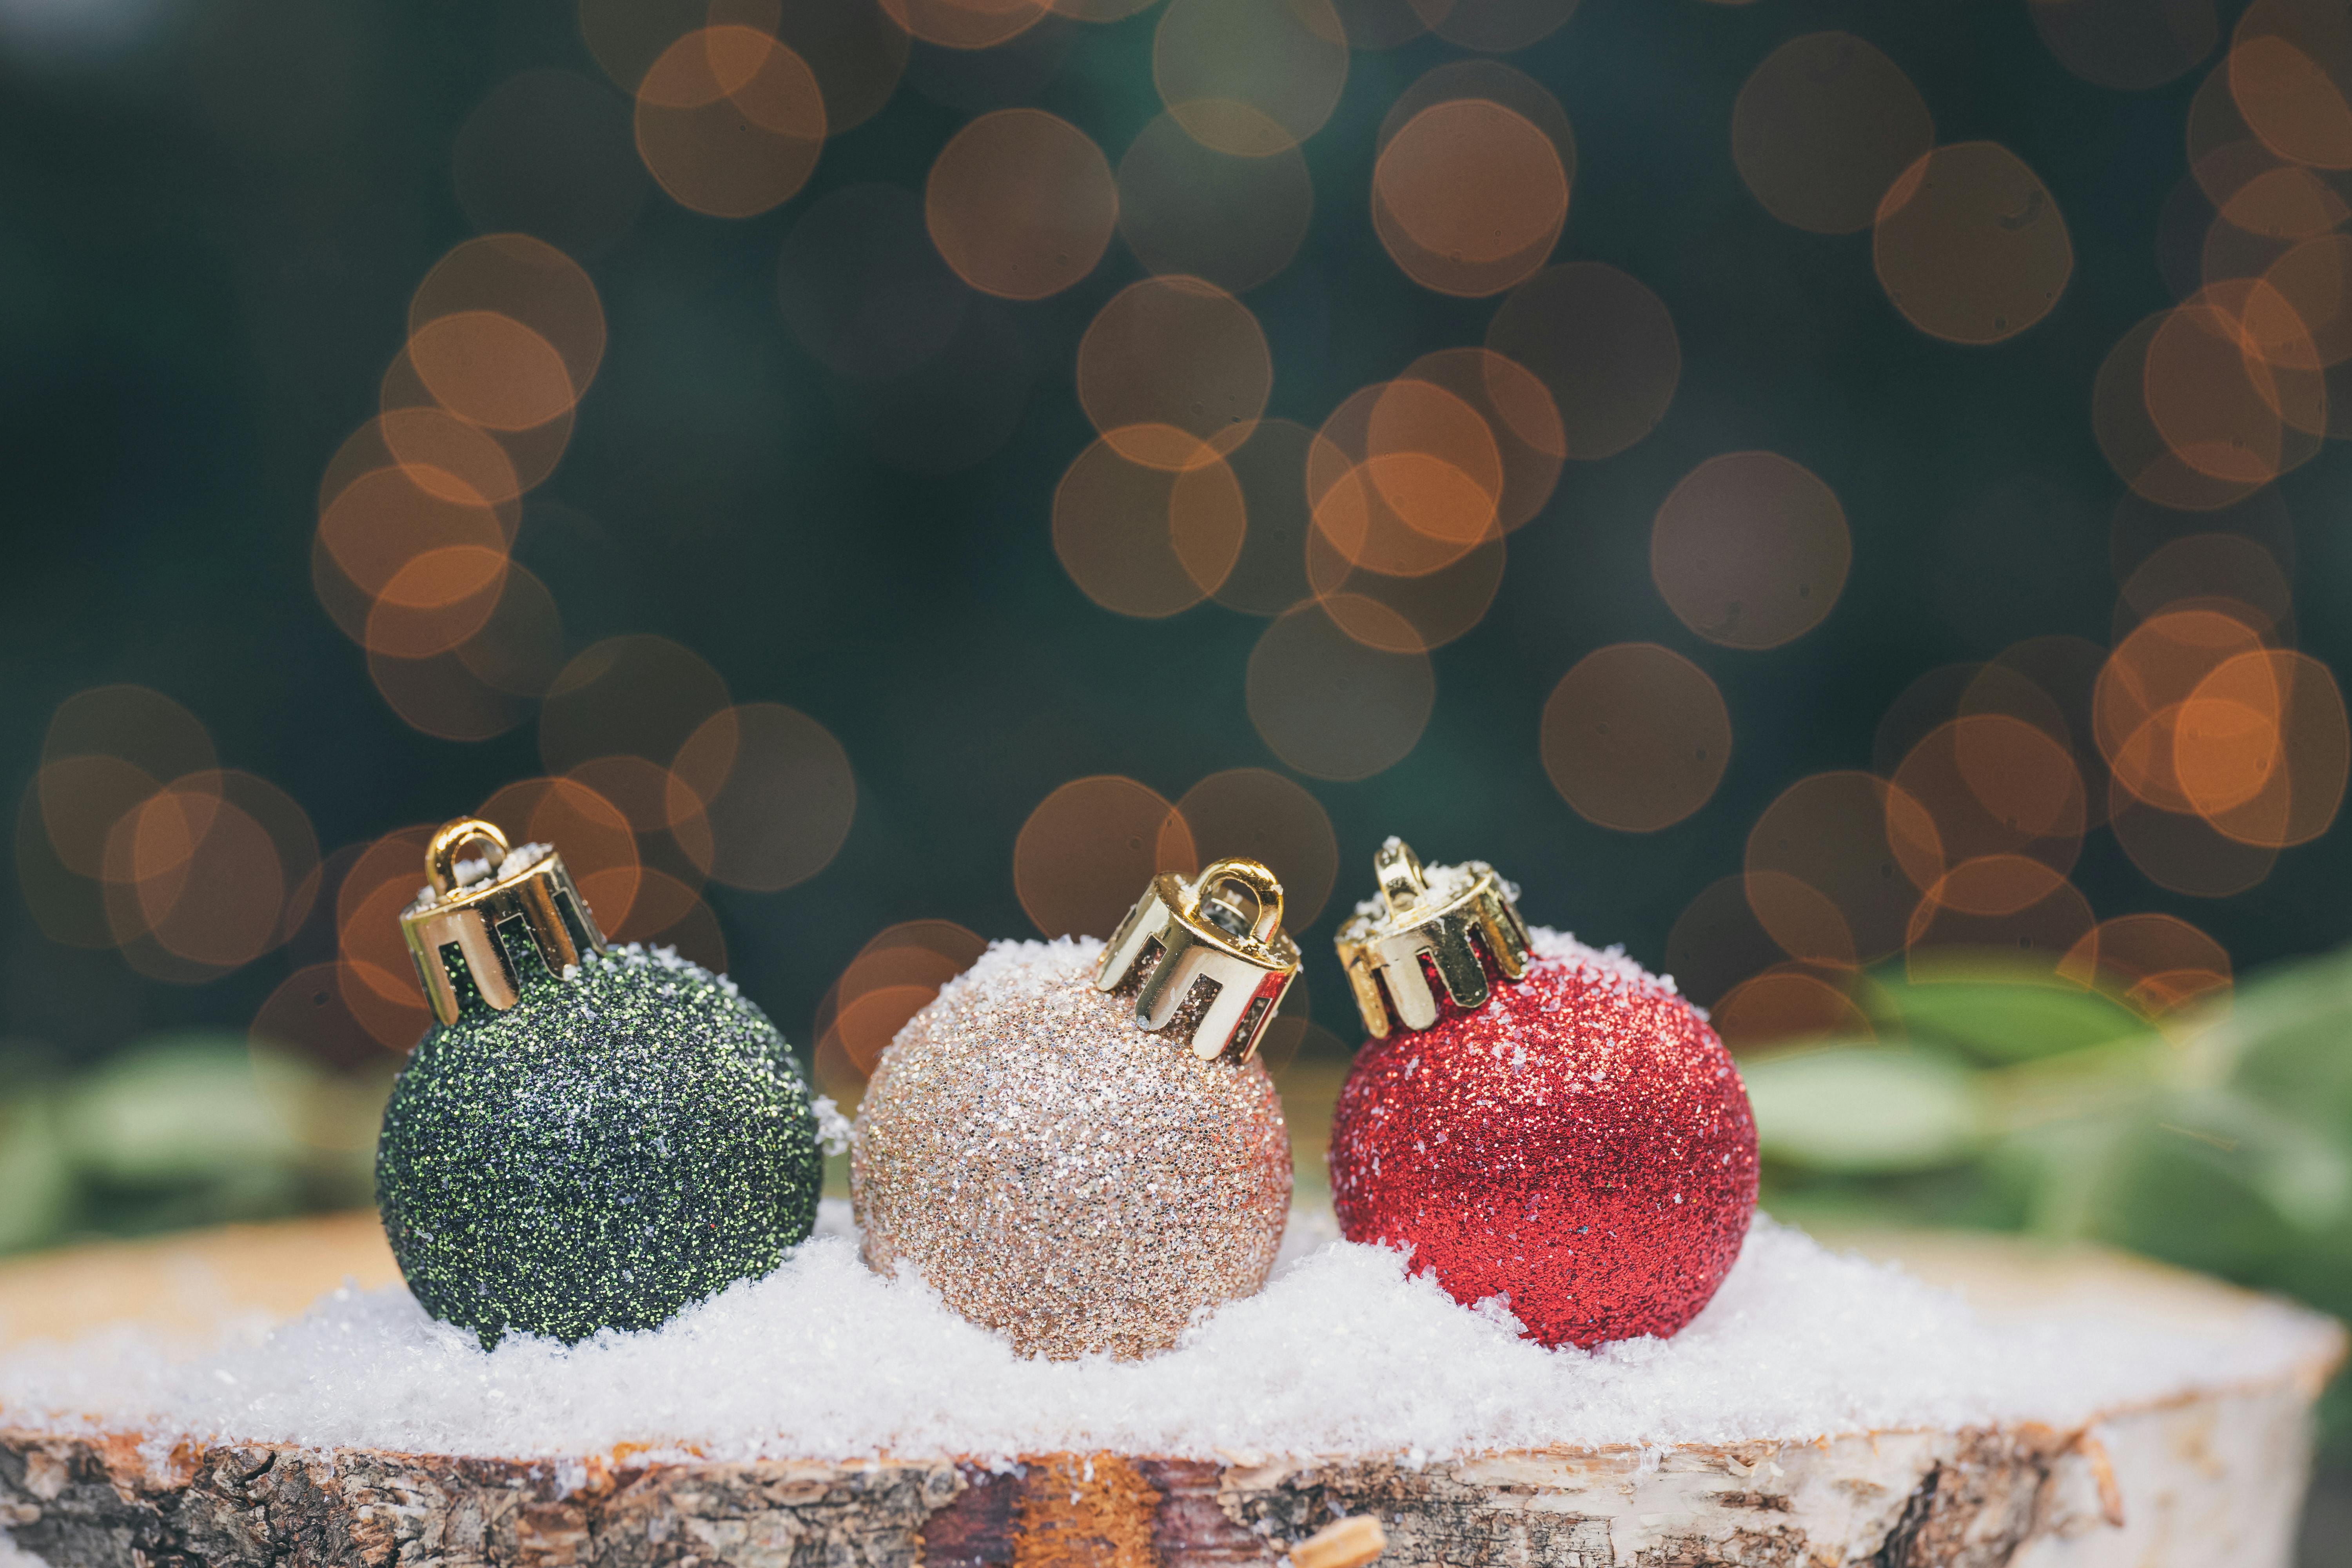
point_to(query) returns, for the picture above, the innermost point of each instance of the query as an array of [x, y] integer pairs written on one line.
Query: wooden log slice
[[2206, 1479]]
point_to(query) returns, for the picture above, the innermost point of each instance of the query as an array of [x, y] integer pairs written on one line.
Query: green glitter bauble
[[615, 1146]]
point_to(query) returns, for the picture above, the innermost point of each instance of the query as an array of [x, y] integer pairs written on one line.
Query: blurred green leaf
[[37, 1186], [2304, 1174], [181, 1109], [1864, 1109], [2004, 1020]]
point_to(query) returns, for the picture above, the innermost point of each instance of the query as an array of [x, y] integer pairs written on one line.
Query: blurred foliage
[[182, 1129], [2218, 1138]]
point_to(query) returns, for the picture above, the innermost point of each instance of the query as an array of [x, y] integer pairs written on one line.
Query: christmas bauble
[[1562, 1131], [1075, 1144], [587, 1138]]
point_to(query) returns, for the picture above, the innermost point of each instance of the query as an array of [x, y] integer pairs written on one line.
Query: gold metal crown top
[[520, 895], [1470, 902], [1202, 929]]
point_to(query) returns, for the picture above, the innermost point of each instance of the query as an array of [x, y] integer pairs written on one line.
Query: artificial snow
[[1343, 1353]]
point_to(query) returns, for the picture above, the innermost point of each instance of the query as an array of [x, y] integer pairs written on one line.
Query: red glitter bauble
[[1580, 1146]]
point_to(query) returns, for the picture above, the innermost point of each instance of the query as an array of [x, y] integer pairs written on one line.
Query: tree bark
[[2213, 1478]]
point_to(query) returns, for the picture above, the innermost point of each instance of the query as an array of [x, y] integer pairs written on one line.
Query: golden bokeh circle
[[1970, 244], [1635, 737], [1750, 549], [1823, 127], [1021, 202]]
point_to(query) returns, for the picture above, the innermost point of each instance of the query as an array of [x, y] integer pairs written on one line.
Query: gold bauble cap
[[1438, 918], [1225, 925], [512, 896]]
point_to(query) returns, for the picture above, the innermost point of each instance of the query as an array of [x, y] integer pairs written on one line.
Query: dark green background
[[209, 238]]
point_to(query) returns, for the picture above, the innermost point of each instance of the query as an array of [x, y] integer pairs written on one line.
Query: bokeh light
[[1174, 371], [1995, 784], [437, 602], [136, 724], [1185, 207], [2137, 704], [1246, 78], [519, 650], [528, 282], [2224, 572], [2131, 45], [1635, 737], [533, 454], [385, 518], [1334, 706], [1750, 549], [441, 453], [1409, 614], [730, 121], [1493, 82], [1021, 202], [894, 976], [1148, 541], [1089, 849], [762, 796], [130, 836], [1269, 574], [2312, 280], [1469, 197], [1602, 345], [967, 24], [373, 973], [2008, 906], [1519, 416], [2140, 528], [2159, 962], [1405, 481], [2183, 853], [1717, 942], [307, 1012], [2139, 452], [1268, 818], [213, 877], [1836, 866], [2232, 385], [1823, 127], [442, 697], [492, 370], [1494, 27], [857, 49], [593, 835], [1971, 246], [2291, 74], [1405, 477], [2261, 748], [629, 695], [1786, 1004], [2050, 682]]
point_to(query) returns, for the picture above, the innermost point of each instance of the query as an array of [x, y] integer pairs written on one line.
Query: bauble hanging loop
[[1449, 921], [1202, 932], [476, 909]]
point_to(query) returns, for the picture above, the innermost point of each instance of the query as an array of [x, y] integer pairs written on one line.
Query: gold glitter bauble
[[1059, 1174]]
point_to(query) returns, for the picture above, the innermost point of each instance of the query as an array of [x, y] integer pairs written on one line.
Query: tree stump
[[2200, 1479]]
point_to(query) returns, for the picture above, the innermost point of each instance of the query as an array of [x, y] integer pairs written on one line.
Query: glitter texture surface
[[616, 1145], [1057, 1173], [1580, 1146]]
